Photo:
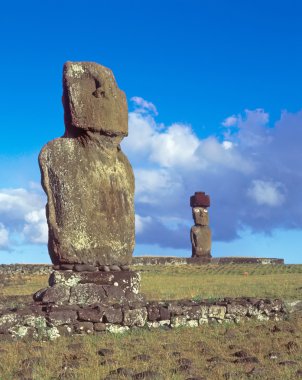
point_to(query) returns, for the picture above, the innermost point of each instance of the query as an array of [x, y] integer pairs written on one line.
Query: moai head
[[200, 216], [199, 203], [92, 101]]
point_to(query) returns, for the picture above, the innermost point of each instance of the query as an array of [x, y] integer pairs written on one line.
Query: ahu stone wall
[[51, 321]]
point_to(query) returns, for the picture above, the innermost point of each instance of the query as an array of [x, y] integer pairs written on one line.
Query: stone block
[[113, 315], [65, 330], [237, 309], [38, 296], [83, 327], [99, 327], [261, 317], [178, 321], [204, 309], [64, 267], [217, 312], [127, 280], [164, 313], [57, 294], [194, 312], [135, 317], [8, 320], [90, 315], [177, 309], [153, 324], [63, 277], [86, 294], [203, 321], [277, 305], [153, 312], [62, 317], [114, 294], [192, 323], [20, 332], [165, 323], [116, 329], [34, 320], [85, 268]]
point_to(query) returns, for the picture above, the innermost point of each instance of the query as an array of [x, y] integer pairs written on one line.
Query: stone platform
[[96, 300], [67, 287], [146, 260], [40, 321], [169, 260]]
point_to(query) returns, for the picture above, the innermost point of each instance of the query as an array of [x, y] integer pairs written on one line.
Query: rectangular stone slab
[[127, 280]]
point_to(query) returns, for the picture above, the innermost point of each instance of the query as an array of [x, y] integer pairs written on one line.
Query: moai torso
[[200, 233], [88, 180]]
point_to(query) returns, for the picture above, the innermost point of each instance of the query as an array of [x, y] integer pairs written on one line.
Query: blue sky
[[214, 93]]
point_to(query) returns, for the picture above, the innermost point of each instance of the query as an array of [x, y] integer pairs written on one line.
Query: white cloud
[[35, 216], [227, 145], [36, 229], [143, 105], [230, 121], [23, 214], [215, 155], [253, 118], [151, 182], [175, 146], [141, 132], [4, 236], [266, 193], [15, 203], [141, 222], [166, 146], [252, 132]]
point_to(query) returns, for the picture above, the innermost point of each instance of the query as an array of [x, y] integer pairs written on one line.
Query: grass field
[[206, 352]]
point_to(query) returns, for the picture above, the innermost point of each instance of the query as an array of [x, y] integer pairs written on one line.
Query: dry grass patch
[[209, 351], [216, 281]]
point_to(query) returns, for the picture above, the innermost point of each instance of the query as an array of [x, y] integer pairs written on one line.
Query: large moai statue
[[88, 180], [200, 232], [89, 184]]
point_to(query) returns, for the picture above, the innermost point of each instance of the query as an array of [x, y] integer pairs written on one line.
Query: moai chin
[[88, 180], [200, 232]]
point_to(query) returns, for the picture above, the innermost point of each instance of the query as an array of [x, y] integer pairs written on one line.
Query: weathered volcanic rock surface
[[88, 180]]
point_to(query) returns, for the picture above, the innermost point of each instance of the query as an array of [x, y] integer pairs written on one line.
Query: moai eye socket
[[205, 210], [99, 91]]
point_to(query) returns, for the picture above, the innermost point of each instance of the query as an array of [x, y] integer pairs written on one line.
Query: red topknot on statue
[[200, 199]]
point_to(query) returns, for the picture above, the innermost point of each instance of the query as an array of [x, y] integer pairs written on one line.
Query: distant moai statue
[[200, 232]]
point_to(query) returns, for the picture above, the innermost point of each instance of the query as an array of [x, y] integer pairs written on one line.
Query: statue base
[[68, 287]]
